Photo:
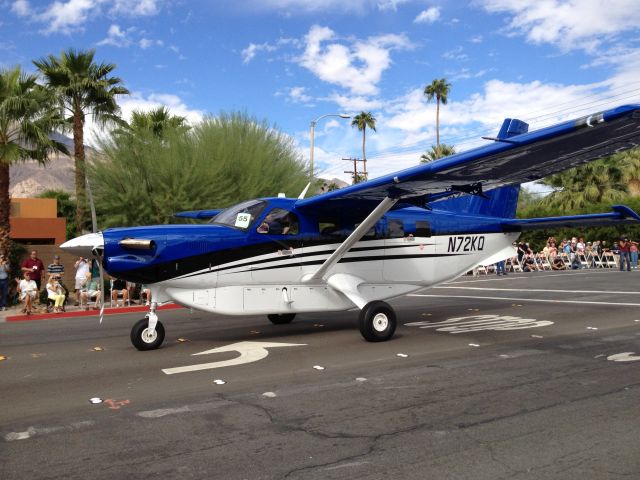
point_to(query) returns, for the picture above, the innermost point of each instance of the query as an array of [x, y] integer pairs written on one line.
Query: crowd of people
[[572, 254], [87, 287]]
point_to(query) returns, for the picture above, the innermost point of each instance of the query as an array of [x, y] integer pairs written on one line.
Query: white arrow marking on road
[[623, 357], [249, 352]]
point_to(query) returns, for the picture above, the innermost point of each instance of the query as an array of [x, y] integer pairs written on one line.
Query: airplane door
[[280, 248], [409, 252]]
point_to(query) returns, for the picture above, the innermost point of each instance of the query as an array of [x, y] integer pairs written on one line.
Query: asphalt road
[[529, 376]]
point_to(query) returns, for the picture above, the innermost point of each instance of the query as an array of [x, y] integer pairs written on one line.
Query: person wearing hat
[[55, 268]]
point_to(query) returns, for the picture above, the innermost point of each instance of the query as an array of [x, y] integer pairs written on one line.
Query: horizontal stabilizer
[[199, 214], [620, 214]]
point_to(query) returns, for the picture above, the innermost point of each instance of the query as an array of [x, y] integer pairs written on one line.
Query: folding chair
[[583, 260], [611, 260], [515, 264]]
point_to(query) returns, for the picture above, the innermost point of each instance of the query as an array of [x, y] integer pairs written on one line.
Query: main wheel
[[141, 338], [377, 321], [281, 319]]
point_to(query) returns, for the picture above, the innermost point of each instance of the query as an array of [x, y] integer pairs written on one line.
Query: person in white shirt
[[28, 290], [83, 267]]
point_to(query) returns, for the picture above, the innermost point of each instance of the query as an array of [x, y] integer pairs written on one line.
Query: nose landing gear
[[148, 333]]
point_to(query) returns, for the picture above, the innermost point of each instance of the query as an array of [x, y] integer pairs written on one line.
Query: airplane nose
[[84, 245]]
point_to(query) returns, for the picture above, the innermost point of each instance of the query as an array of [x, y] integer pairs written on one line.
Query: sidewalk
[[14, 313]]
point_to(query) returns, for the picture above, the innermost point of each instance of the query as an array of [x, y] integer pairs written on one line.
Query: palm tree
[[27, 117], [440, 90], [157, 121], [436, 152], [362, 121], [83, 88], [630, 164]]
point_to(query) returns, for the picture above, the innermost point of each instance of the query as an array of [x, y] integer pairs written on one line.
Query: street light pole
[[312, 135]]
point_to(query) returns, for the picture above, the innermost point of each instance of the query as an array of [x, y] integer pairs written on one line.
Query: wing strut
[[383, 207]]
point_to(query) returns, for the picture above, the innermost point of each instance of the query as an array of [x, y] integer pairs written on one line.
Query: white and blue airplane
[[361, 245]]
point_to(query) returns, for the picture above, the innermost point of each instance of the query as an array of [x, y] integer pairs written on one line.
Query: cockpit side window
[[279, 222], [241, 215]]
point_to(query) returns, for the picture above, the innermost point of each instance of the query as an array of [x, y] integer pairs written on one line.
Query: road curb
[[87, 313]]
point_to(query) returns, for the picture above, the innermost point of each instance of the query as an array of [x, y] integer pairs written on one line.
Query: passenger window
[[280, 222], [396, 228], [423, 229]]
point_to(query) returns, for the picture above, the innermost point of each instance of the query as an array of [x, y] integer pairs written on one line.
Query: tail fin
[[502, 201]]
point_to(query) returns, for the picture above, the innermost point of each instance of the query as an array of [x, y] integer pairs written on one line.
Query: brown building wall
[[39, 230]]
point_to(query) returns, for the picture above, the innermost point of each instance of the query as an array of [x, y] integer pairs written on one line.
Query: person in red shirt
[[34, 266], [624, 247]]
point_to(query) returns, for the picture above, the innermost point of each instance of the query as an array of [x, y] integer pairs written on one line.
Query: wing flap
[[620, 214]]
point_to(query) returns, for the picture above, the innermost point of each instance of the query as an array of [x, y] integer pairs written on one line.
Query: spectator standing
[[633, 254], [34, 266], [4, 281], [500, 270], [55, 268], [82, 270], [624, 248]]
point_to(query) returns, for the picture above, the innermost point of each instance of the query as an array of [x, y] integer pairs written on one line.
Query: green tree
[[438, 89], [142, 179], [601, 181], [157, 121], [436, 152], [83, 88], [27, 117], [362, 121]]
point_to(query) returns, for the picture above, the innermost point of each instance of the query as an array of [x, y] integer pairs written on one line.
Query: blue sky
[[291, 61]]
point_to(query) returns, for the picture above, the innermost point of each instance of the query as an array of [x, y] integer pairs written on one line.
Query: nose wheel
[[377, 321], [148, 333]]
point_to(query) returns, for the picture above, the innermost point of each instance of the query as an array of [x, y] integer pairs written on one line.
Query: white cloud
[[69, 16], [305, 7], [116, 37], [456, 53], [429, 15], [298, 95], [357, 65], [568, 24], [21, 8], [145, 43], [253, 48], [135, 8]]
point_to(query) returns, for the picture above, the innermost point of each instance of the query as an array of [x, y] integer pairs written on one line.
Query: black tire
[[281, 319], [377, 321], [141, 341]]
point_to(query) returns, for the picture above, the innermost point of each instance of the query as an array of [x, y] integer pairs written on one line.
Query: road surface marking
[[578, 302], [624, 357], [249, 352], [477, 323], [540, 290]]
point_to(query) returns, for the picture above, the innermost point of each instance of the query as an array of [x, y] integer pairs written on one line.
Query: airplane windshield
[[241, 215]]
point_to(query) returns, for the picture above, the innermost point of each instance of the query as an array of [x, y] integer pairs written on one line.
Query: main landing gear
[[377, 321], [148, 333]]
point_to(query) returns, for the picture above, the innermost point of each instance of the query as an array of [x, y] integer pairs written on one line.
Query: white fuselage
[[377, 269]]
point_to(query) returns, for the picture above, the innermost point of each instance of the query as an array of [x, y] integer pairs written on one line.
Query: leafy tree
[[142, 179], [601, 181], [27, 117], [157, 121], [436, 152], [362, 121], [83, 88], [438, 89], [66, 208]]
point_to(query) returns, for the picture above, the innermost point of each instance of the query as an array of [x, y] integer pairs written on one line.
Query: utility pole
[[355, 173]]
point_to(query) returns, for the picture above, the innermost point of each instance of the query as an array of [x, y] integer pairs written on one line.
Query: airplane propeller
[[97, 252]]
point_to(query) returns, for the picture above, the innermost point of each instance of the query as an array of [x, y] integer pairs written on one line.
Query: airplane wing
[[620, 214], [518, 159], [199, 214]]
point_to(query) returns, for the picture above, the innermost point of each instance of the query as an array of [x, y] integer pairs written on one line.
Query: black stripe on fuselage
[[194, 265]]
